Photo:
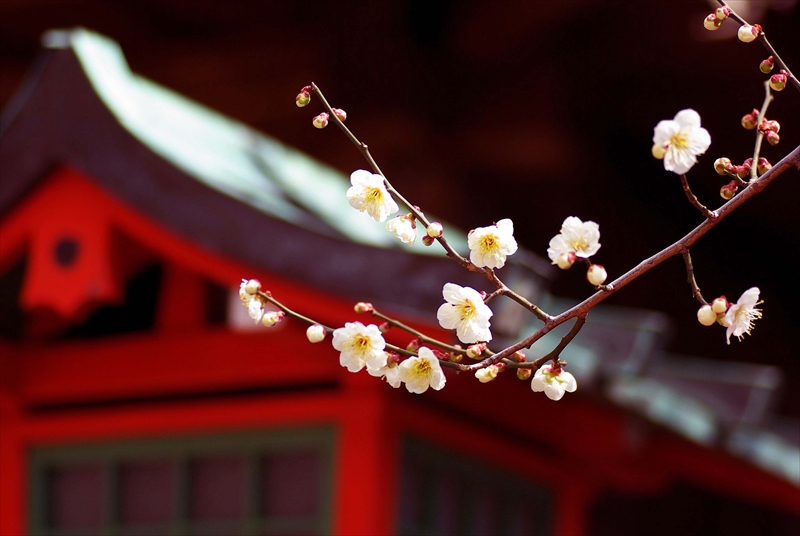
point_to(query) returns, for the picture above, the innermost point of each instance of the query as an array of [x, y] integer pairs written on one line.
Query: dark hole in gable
[[66, 251]]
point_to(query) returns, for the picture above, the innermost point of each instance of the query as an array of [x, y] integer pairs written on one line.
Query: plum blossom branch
[[555, 353], [696, 294], [413, 209], [693, 198], [421, 336], [762, 114], [764, 41]]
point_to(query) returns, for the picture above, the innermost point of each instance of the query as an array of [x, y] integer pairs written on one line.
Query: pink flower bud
[[384, 327], [711, 22], [719, 305], [750, 121], [363, 307], [302, 99], [315, 333], [524, 373], [728, 191], [743, 170], [778, 81], [428, 240], [596, 275], [475, 351], [767, 65], [706, 316], [721, 164], [321, 121], [392, 358], [341, 114], [271, 318], [414, 345], [435, 230], [769, 126], [722, 13], [763, 165], [773, 138], [519, 356], [748, 33]]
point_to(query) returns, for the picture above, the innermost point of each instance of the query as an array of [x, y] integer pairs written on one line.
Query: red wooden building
[[136, 399]]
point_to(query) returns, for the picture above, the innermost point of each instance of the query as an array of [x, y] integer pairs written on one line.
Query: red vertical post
[[571, 509], [12, 467]]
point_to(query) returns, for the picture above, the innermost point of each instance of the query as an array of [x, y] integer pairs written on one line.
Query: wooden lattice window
[[268, 483]]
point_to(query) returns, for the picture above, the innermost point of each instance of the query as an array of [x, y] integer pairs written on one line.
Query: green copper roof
[[222, 153]]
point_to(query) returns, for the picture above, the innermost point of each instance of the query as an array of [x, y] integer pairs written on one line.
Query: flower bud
[[485, 375], [427, 240], [519, 356], [721, 164], [773, 138], [706, 316], [658, 151], [719, 305], [384, 327], [767, 65], [321, 121], [711, 22], [729, 190], [748, 33], [252, 286], [455, 357], [524, 373], [565, 260], [340, 114], [363, 307], [302, 99], [750, 121], [392, 358], [475, 351], [769, 126], [315, 333], [778, 81], [743, 170], [435, 230], [722, 13], [271, 318], [763, 165], [596, 275], [414, 345]]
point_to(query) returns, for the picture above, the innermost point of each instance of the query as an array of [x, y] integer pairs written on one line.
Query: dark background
[[480, 110]]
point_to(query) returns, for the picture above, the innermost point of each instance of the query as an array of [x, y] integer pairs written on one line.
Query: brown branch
[[693, 199], [696, 294], [565, 340], [762, 115]]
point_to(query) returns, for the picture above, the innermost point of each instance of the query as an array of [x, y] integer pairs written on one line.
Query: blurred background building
[[129, 212]]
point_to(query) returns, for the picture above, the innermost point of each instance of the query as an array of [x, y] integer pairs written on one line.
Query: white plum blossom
[[554, 384], [315, 333], [485, 375], [404, 228], [741, 315], [389, 372], [576, 239], [255, 308], [421, 372], [489, 246], [466, 313], [368, 194], [680, 140], [360, 346]]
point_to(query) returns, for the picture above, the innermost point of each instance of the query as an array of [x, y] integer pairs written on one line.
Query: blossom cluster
[[737, 317]]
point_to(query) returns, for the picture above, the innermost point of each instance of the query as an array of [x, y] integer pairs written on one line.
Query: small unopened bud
[[773, 138], [321, 121], [485, 375], [271, 318], [722, 13], [455, 357], [384, 327], [474, 351], [720, 165], [414, 345], [769, 126], [363, 307], [435, 230], [315, 333], [252, 286], [763, 165], [748, 33], [750, 121], [565, 260], [302, 99], [339, 113], [596, 275], [519, 356], [711, 22], [778, 81], [743, 170], [767, 65], [719, 305], [658, 151], [728, 191], [524, 373], [428, 240], [706, 316]]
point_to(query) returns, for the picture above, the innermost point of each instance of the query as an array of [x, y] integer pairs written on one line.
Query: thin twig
[[696, 294], [762, 115], [421, 336], [693, 199], [565, 340]]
